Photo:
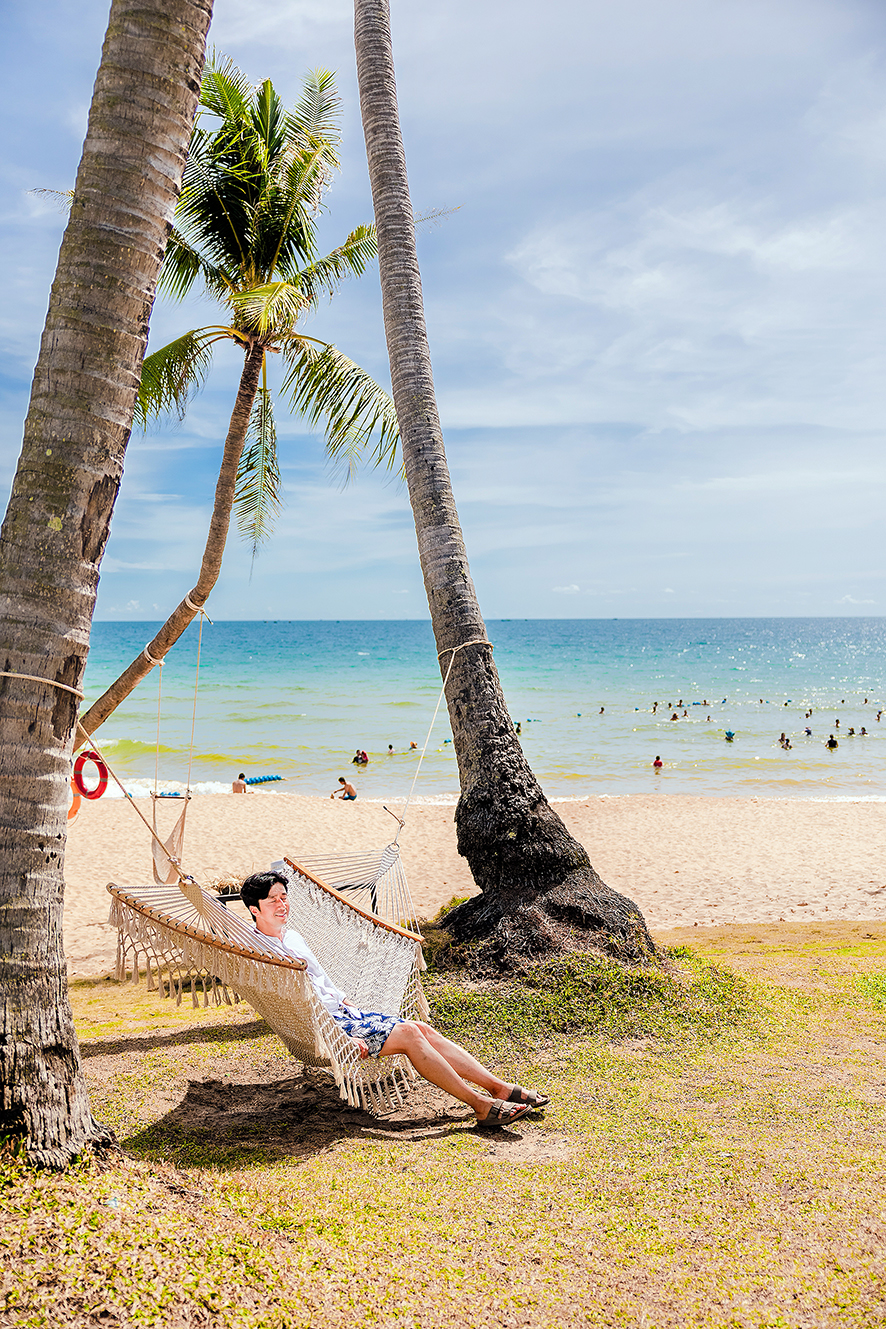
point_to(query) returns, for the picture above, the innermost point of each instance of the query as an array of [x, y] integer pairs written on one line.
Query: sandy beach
[[684, 861]]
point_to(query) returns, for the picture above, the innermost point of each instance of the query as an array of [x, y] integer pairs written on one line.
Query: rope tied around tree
[[479, 641], [50, 682]]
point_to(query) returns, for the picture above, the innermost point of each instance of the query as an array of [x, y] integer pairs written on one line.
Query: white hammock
[[188, 932]]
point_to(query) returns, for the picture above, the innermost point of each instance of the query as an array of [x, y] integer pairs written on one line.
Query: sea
[[594, 699]]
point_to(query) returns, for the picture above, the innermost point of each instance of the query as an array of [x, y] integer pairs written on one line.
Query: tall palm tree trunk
[[56, 527], [213, 552], [539, 892]]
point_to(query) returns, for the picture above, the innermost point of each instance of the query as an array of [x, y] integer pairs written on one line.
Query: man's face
[[272, 912]]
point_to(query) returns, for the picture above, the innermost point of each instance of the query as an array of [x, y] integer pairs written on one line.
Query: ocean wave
[[144, 788]]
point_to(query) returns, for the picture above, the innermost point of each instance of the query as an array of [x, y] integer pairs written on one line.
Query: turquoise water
[[297, 699]]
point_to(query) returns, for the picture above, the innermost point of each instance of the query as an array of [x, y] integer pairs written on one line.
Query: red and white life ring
[[78, 781]]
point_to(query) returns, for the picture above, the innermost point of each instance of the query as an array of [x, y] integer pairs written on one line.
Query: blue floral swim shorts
[[371, 1026]]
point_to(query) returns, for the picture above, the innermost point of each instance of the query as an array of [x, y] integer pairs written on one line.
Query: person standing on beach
[[347, 793]]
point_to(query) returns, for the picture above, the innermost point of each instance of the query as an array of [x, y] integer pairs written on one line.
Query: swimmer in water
[[657, 764]]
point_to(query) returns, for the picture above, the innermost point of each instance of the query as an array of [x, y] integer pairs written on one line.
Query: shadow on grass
[[232, 1125], [228, 1033]]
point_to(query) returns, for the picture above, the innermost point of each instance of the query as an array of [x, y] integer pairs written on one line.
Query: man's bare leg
[[411, 1039], [463, 1063]]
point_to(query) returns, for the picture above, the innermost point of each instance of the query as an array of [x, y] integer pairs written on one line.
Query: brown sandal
[[528, 1097], [501, 1114]]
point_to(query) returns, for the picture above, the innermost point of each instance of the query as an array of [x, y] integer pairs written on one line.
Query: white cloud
[[686, 243]]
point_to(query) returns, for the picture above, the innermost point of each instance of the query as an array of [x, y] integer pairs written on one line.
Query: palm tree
[[539, 892], [56, 527], [245, 228]]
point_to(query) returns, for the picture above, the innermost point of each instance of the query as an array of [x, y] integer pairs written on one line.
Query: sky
[[657, 309]]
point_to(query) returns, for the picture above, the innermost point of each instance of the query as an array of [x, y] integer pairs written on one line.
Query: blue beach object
[[261, 779]]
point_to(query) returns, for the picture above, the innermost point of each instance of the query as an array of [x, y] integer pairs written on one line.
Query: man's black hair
[[258, 887]]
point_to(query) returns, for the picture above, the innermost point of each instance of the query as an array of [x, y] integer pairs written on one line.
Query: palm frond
[[225, 91], [329, 389], [268, 120], [317, 113], [277, 306], [325, 275], [183, 264], [62, 198], [432, 219], [172, 375], [257, 498]]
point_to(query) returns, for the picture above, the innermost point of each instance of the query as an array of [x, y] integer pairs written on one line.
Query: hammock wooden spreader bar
[[189, 933]]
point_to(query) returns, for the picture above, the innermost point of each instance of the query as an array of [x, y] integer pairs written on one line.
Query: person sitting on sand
[[376, 1034], [239, 786], [346, 793]]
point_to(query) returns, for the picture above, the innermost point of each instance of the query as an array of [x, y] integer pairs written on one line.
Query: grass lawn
[[712, 1155]]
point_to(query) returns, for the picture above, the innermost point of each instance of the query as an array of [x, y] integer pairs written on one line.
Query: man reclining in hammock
[[438, 1059]]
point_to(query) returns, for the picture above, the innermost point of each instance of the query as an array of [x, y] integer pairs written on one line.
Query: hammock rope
[[50, 682], [480, 641], [174, 843]]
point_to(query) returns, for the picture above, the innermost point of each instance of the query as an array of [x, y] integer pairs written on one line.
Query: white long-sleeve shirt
[[293, 945]]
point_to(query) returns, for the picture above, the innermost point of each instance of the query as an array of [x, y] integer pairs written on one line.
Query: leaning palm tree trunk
[[213, 552], [56, 528], [539, 892]]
